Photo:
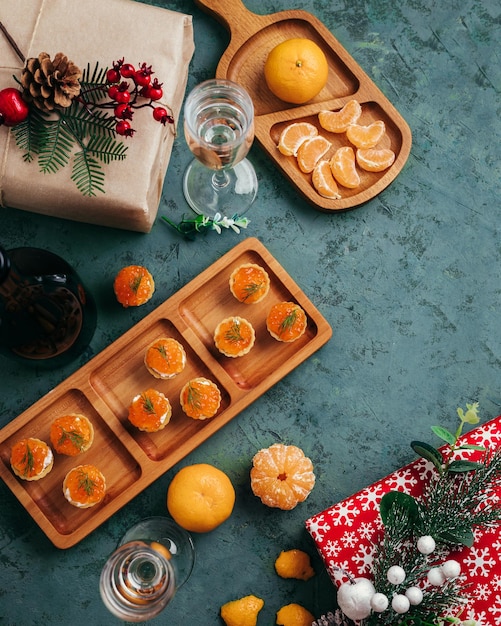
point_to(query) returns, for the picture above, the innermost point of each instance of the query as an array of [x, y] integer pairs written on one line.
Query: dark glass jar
[[46, 314]]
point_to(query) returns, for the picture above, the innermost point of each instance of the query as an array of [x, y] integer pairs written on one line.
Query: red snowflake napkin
[[346, 533]]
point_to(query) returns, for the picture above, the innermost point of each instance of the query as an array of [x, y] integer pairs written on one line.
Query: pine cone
[[49, 83]]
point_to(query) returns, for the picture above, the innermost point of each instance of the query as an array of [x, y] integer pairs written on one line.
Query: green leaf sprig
[[190, 227]]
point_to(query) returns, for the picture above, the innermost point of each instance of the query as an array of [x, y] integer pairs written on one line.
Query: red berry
[[154, 91], [127, 70], [160, 115], [112, 91], [13, 109], [123, 128], [123, 112], [122, 97], [113, 76], [142, 76]]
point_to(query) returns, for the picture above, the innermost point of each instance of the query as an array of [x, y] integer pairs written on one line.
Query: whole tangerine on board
[[339, 121], [296, 70], [242, 612], [133, 285], [293, 135], [294, 615], [281, 476], [200, 497]]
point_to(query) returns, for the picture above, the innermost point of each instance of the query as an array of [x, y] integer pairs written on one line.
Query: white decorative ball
[[451, 568], [436, 576], [379, 602], [426, 544], [395, 575], [354, 598], [415, 595], [400, 603]]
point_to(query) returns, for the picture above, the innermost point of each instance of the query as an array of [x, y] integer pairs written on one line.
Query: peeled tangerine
[[294, 615], [242, 612], [282, 476], [294, 564]]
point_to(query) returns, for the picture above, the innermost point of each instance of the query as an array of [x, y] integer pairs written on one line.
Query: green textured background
[[410, 283]]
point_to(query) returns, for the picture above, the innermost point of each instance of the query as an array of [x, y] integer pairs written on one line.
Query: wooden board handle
[[234, 16]]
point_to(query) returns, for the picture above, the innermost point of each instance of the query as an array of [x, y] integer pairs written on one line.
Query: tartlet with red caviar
[[71, 434], [84, 486], [133, 285], [165, 358], [234, 336], [150, 411], [249, 283], [286, 321], [31, 459], [200, 398]]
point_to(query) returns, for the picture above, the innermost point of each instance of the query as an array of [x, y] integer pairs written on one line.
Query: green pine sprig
[[81, 131]]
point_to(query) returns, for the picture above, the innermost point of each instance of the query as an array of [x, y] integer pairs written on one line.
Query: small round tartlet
[[84, 486], [249, 283], [234, 336], [286, 321], [71, 434], [165, 358], [31, 459], [150, 411], [200, 398], [133, 285]]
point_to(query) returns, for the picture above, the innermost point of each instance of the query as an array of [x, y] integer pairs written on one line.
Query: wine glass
[[219, 131], [152, 561]]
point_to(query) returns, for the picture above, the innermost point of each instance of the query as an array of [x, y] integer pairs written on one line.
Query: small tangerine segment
[[294, 135], [294, 615], [31, 459], [324, 182], [150, 411], [71, 434], [84, 486], [281, 476], [311, 151], [133, 285], [286, 321], [249, 283], [366, 136], [294, 564], [165, 358], [344, 169], [242, 612], [200, 398], [296, 70], [234, 336], [375, 159], [339, 121]]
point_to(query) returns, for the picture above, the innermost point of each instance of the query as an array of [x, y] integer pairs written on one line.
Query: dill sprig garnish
[[86, 483], [194, 397], [251, 288], [76, 438], [148, 404], [288, 321], [233, 334], [28, 461]]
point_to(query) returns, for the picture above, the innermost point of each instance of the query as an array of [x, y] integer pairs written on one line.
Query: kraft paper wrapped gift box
[[90, 32], [346, 533]]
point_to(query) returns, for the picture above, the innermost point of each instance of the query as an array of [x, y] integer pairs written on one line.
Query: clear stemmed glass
[[219, 131], [152, 561]]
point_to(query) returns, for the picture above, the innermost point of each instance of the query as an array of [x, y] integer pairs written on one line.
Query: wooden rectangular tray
[[104, 387], [253, 36]]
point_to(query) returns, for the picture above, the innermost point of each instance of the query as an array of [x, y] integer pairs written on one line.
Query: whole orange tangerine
[[200, 497], [296, 70]]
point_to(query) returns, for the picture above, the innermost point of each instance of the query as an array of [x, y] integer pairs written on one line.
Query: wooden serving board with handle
[[104, 387], [252, 37]]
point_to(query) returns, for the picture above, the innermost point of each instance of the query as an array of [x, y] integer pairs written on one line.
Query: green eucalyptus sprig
[[190, 227]]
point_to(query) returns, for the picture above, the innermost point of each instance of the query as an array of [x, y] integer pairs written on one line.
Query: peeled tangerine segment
[[311, 151], [344, 169], [294, 135], [324, 182], [339, 121], [366, 136], [375, 159]]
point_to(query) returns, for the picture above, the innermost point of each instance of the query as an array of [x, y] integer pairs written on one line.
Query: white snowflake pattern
[[337, 571], [369, 498], [318, 527], [349, 539], [495, 610], [479, 562], [403, 480], [482, 591], [496, 582], [344, 513], [364, 559], [332, 548], [488, 436], [366, 530]]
